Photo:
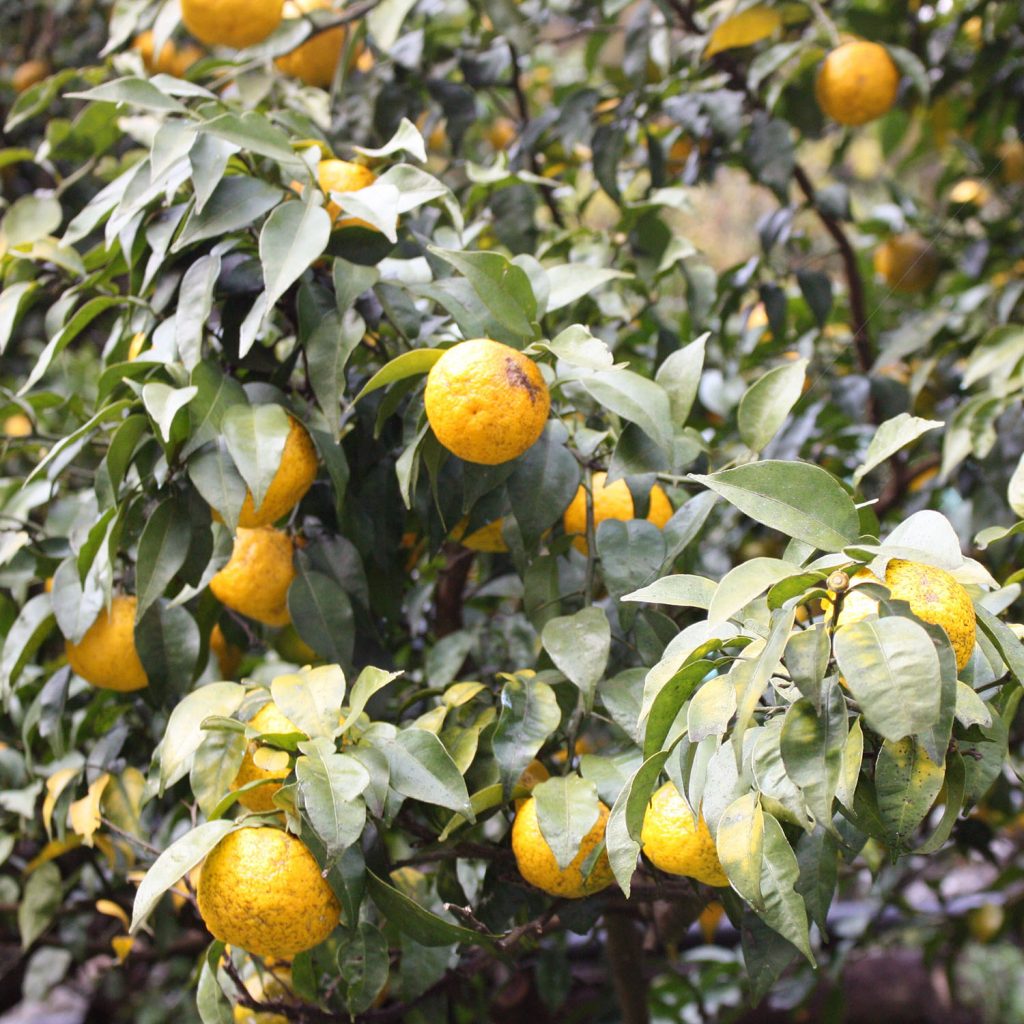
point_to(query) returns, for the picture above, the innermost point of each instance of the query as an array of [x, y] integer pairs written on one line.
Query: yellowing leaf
[[112, 909], [123, 800], [270, 760], [84, 814], [55, 785], [744, 29], [122, 946], [54, 848]]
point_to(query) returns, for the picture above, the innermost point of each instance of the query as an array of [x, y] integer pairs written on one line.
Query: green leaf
[[255, 132], [579, 646], [328, 350], [764, 667], [136, 92], [668, 702], [422, 769], [711, 709], [502, 287], [892, 670], [236, 202], [408, 364], [529, 715], [818, 856], [631, 553], [907, 781], [183, 734], [167, 639], [216, 392], [1004, 639], [970, 708], [625, 822], [415, 921], [294, 235], [39, 903], [215, 765], [29, 219], [331, 785], [956, 788], [771, 778], [739, 841], [219, 483], [745, 582], [800, 500], [766, 954], [571, 281], [311, 699], [12, 301], [679, 376], [322, 614], [567, 809], [634, 398], [365, 963], [683, 591], [174, 863], [890, 437], [211, 1002], [195, 301], [256, 436], [768, 401], [812, 750], [542, 483], [783, 909], [163, 548], [370, 681], [163, 403]]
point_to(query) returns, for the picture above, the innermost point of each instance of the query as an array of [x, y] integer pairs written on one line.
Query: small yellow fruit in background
[[488, 538], [677, 842], [857, 82], [501, 133], [28, 74], [228, 655], [537, 863], [261, 889], [236, 23], [106, 656], [486, 402], [612, 502], [314, 61], [341, 176], [267, 720], [256, 579], [970, 191], [533, 775], [18, 425], [933, 594], [171, 61], [907, 263], [708, 920]]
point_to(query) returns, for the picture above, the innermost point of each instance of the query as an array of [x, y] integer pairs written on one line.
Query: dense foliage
[[647, 200]]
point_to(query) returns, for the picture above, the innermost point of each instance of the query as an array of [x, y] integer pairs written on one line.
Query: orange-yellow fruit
[[18, 425], [488, 538], [171, 61], [857, 82], [501, 133], [261, 799], [612, 502], [228, 655], [294, 477], [236, 23], [256, 579], [677, 842], [486, 402], [537, 863], [314, 61], [341, 176], [907, 263], [106, 656], [678, 155], [708, 920], [261, 889], [533, 775], [970, 192], [26, 75]]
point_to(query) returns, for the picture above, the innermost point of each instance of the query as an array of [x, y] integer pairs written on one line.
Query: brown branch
[[625, 960], [902, 476], [304, 1013], [448, 597]]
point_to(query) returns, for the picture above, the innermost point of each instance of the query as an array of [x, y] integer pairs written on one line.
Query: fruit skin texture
[[256, 579], [267, 719], [261, 889], [934, 596], [26, 75], [537, 863], [236, 23], [314, 61], [343, 176], [677, 843], [486, 402], [294, 476], [857, 82], [907, 263], [612, 502], [106, 655], [488, 538]]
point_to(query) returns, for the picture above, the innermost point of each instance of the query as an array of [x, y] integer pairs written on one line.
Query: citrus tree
[[490, 486]]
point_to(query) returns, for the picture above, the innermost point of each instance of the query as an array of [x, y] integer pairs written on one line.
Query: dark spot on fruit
[[517, 378]]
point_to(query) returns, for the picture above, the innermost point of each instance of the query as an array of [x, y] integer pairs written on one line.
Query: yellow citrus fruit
[[486, 402], [537, 863], [18, 425], [533, 775], [228, 655], [293, 648], [26, 75], [907, 263], [256, 579], [236, 23], [970, 191], [677, 842], [708, 920], [135, 346], [295, 475], [267, 720], [171, 61], [266, 989], [933, 594], [262, 889], [612, 502], [106, 655], [314, 61], [341, 176], [501, 133], [974, 29], [857, 82], [1012, 156], [488, 538], [678, 155]]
